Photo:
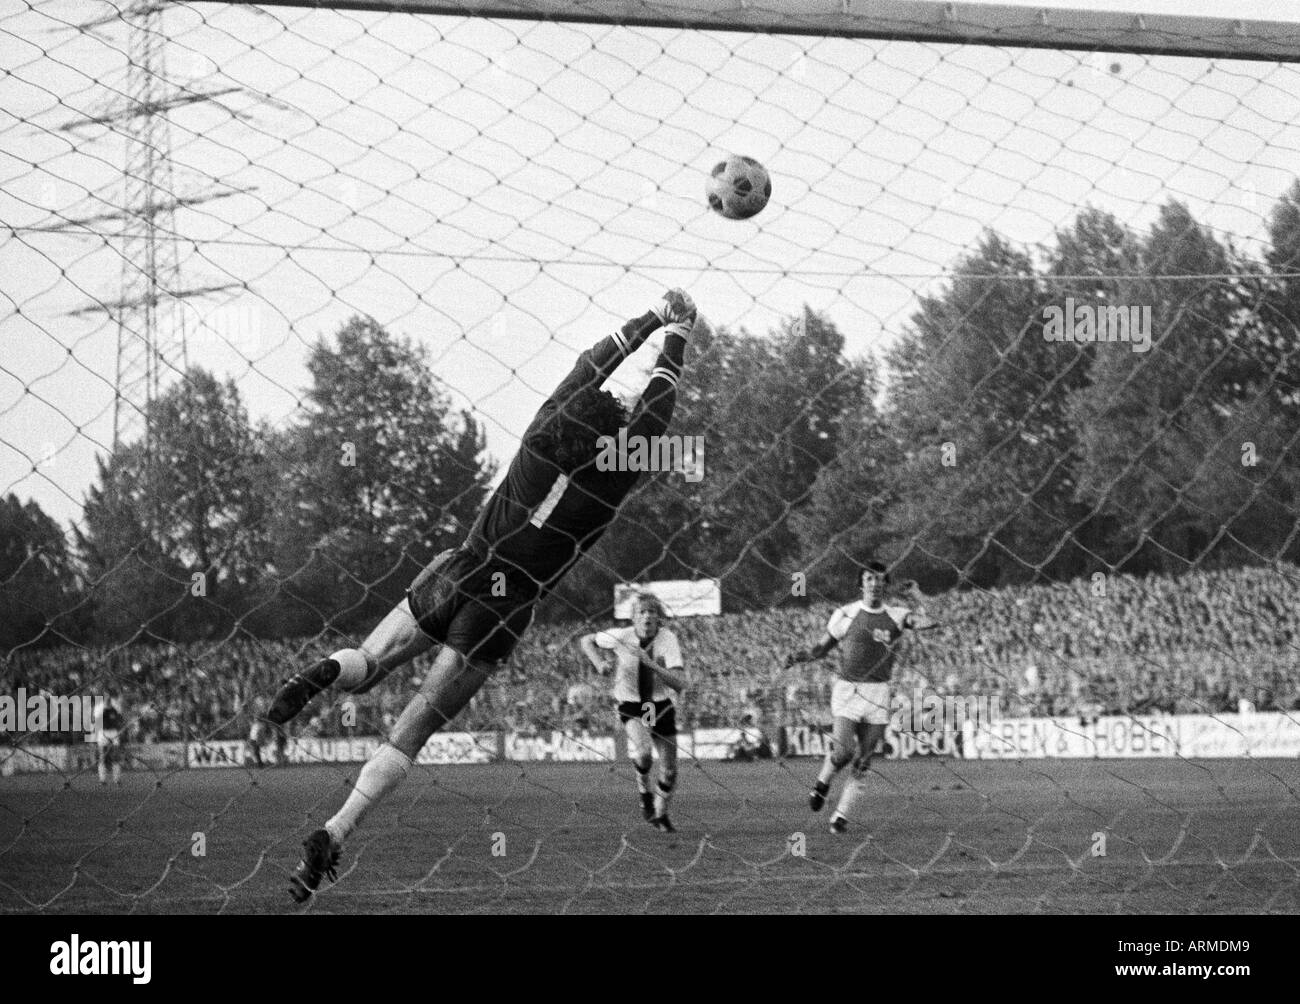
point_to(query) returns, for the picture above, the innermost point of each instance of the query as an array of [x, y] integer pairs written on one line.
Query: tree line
[[974, 452]]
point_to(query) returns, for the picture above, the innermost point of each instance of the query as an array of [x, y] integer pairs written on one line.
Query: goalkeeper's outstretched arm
[[655, 409], [596, 364]]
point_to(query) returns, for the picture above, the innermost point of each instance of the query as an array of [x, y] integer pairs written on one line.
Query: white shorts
[[861, 702]]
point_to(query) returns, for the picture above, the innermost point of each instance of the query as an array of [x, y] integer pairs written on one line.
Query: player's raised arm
[[836, 628], [655, 409], [592, 649]]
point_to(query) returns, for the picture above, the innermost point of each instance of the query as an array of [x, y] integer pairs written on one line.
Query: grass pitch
[[932, 836]]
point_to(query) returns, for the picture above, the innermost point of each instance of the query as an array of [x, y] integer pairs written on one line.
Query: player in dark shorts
[[477, 600]]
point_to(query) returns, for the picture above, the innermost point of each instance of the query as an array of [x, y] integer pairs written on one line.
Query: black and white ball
[[738, 188]]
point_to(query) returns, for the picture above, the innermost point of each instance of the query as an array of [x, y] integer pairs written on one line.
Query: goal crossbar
[[904, 20]]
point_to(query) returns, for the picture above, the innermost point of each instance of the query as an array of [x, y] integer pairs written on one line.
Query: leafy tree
[[174, 530], [975, 410], [382, 474], [1161, 432], [135, 587], [38, 599], [843, 524]]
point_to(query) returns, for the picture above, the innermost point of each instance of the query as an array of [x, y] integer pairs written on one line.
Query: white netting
[[195, 189]]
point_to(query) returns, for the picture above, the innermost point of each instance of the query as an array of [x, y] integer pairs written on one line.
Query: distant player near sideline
[[869, 631], [256, 755], [477, 600], [648, 670], [108, 742]]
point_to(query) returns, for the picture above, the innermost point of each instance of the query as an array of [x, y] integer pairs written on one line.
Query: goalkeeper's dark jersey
[[539, 520]]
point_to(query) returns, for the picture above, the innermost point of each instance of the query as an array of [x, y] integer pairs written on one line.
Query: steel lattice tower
[[150, 325], [148, 313]]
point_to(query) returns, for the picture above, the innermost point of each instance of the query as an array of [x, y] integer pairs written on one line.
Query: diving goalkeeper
[[477, 600]]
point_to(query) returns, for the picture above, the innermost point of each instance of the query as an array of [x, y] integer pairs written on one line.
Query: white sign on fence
[[1267, 734], [681, 597], [1030, 738], [561, 747]]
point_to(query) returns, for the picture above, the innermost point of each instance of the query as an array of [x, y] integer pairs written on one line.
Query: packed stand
[[1201, 643]]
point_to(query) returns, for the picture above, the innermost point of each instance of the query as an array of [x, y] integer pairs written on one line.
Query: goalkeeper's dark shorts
[[464, 601]]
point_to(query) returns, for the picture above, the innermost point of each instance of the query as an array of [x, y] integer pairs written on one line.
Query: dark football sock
[[299, 689]]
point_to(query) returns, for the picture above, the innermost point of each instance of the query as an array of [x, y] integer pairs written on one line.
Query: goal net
[[281, 288]]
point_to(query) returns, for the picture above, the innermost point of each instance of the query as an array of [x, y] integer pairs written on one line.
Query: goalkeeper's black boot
[[663, 823], [817, 797], [320, 858], [648, 806], [297, 691], [839, 824]]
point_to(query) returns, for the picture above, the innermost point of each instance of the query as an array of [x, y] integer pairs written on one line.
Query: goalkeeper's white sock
[[353, 667], [103, 773], [117, 773], [382, 773]]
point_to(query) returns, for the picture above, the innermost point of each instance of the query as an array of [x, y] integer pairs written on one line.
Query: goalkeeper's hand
[[677, 308]]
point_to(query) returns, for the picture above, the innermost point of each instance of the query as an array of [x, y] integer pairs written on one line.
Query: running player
[[647, 664], [860, 701], [108, 742], [477, 600]]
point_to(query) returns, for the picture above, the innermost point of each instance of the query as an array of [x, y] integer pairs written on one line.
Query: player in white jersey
[[108, 740], [647, 663], [860, 701]]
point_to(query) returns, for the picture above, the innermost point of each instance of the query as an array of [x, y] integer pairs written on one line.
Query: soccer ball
[[738, 188]]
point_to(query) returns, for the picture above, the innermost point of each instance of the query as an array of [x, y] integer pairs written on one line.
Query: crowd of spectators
[[1199, 643]]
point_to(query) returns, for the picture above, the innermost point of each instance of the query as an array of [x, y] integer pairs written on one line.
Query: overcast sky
[[505, 193]]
